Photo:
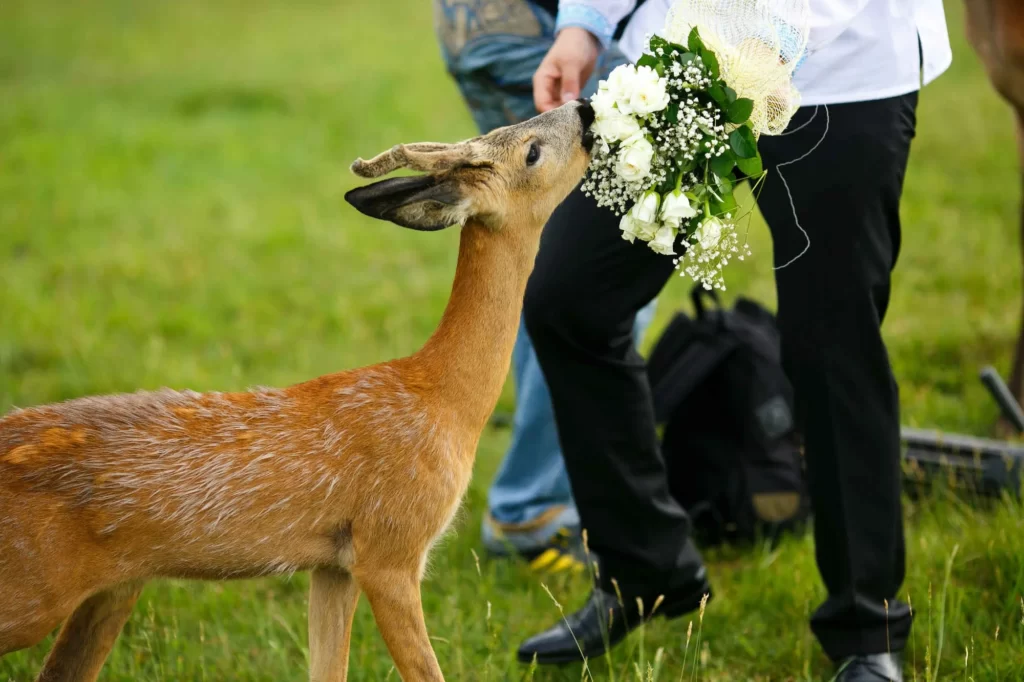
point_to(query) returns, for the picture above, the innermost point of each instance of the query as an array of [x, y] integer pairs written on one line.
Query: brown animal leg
[[394, 596], [333, 595], [1017, 372], [89, 634]]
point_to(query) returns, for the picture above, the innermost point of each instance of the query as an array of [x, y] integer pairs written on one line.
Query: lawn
[[171, 213]]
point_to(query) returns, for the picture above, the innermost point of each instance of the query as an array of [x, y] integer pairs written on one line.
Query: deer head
[[515, 175]]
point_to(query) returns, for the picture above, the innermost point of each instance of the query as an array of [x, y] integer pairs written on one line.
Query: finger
[[570, 84], [545, 88]]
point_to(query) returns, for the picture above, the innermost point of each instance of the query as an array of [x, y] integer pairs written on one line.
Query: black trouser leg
[[831, 304], [580, 306]]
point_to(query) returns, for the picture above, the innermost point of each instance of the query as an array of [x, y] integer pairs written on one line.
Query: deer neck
[[468, 356]]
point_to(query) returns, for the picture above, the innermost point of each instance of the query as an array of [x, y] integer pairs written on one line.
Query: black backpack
[[726, 409]]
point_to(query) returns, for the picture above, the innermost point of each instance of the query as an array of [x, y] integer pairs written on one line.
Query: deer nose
[[586, 113]]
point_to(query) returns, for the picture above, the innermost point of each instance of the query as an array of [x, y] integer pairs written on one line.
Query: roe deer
[[352, 475]]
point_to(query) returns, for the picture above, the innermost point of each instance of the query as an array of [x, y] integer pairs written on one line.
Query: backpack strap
[[688, 352], [687, 370], [678, 334], [697, 296]]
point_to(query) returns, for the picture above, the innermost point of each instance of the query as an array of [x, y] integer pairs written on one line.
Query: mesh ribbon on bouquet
[[676, 130]]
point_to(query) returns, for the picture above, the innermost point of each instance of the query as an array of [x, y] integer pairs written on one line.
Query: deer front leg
[[394, 596], [89, 634], [333, 595]]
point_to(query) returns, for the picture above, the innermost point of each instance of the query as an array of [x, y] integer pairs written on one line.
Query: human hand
[[565, 69]]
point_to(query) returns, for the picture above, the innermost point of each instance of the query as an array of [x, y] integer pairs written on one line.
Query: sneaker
[[551, 543]]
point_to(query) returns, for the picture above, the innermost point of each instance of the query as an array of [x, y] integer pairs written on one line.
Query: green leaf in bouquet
[[656, 42], [686, 58], [717, 93], [710, 62], [686, 165], [694, 42], [743, 143], [676, 47], [722, 202], [730, 94], [723, 164], [751, 167], [672, 115], [726, 205], [647, 60], [724, 184], [740, 110]]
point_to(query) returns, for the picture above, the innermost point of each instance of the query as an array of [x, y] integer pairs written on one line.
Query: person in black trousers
[[579, 309]]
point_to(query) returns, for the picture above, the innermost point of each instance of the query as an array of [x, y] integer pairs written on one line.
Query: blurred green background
[[171, 213]]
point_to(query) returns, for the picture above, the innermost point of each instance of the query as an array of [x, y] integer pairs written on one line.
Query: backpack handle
[[698, 294]]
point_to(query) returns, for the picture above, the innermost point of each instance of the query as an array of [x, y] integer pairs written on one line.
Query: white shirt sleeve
[[600, 17]]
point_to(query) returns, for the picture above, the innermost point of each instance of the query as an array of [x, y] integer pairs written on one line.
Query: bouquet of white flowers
[[672, 130]]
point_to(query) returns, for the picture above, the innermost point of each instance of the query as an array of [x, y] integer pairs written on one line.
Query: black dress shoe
[[872, 668], [588, 633]]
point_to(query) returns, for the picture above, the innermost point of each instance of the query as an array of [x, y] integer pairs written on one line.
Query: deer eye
[[533, 155]]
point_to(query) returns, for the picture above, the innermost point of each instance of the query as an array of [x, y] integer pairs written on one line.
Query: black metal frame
[[985, 465]]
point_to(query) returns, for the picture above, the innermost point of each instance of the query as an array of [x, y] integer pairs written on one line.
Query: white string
[[792, 204], [802, 125]]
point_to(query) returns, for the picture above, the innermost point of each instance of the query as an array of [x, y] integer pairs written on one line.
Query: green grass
[[171, 213]]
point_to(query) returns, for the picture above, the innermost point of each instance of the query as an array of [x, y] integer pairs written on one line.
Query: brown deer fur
[[352, 475], [995, 28]]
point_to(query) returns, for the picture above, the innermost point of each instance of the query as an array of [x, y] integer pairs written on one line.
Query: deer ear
[[420, 203]]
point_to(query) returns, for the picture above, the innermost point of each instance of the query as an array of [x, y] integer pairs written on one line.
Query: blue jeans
[[492, 56]]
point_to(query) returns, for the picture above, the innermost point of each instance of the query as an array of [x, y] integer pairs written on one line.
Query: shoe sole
[[542, 561], [667, 610]]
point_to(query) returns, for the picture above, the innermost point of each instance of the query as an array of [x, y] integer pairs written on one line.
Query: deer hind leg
[[333, 595], [394, 596], [89, 634]]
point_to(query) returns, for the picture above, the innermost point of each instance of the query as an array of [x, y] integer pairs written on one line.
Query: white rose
[[664, 240], [603, 102], [710, 233], [633, 228], [646, 231], [675, 208], [616, 127], [641, 220], [649, 92], [628, 227], [635, 158], [646, 209], [620, 86]]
